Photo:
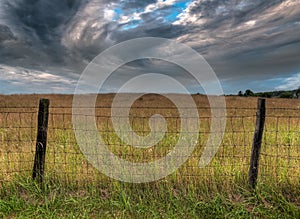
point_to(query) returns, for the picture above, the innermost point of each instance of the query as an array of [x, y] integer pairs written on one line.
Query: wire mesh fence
[[280, 155], [17, 134], [279, 161]]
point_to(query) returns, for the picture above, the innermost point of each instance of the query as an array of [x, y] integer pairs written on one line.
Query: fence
[[279, 153]]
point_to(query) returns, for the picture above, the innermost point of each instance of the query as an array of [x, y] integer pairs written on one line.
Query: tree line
[[292, 94]]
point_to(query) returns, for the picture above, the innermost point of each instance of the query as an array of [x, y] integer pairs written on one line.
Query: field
[[73, 188]]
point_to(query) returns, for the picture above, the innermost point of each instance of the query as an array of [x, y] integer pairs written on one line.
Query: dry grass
[[74, 189], [280, 159]]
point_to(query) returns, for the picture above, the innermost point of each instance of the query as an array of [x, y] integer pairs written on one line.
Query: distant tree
[[249, 93], [298, 93], [240, 93], [268, 94], [264, 94], [286, 94]]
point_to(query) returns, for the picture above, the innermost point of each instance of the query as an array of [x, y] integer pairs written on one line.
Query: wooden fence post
[[257, 141], [41, 142]]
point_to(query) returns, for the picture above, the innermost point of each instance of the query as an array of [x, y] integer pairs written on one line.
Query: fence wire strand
[[279, 160]]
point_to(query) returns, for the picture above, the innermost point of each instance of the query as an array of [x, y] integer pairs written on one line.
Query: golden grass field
[[280, 153]]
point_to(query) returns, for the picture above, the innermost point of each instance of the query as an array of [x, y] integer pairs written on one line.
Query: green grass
[[25, 199], [74, 189]]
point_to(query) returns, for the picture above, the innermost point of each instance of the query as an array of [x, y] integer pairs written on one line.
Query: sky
[[45, 45]]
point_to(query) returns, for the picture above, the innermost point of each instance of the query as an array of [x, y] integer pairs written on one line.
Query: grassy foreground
[[74, 189], [24, 199]]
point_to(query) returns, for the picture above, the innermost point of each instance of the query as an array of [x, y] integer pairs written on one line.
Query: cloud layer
[[242, 40]]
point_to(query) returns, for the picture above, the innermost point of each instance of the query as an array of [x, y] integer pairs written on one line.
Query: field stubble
[[280, 155], [217, 191]]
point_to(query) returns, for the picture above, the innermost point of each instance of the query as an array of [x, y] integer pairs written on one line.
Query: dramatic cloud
[[34, 81], [244, 41]]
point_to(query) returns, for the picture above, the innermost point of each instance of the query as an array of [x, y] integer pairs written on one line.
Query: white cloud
[[109, 14], [22, 80], [126, 19], [159, 4], [136, 16], [250, 23], [290, 83], [186, 17]]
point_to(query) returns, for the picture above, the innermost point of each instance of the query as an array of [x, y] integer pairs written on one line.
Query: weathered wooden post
[[41, 142], [257, 141]]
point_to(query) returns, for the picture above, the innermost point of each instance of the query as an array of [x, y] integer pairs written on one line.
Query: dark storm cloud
[[240, 38], [36, 29], [246, 38], [42, 17], [5, 34]]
